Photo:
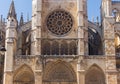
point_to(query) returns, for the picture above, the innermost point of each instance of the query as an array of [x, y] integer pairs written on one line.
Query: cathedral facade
[[61, 46]]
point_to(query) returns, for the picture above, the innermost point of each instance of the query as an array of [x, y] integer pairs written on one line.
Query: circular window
[[59, 22]]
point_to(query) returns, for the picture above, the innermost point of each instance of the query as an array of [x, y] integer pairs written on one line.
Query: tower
[[60, 45], [59, 33], [109, 44], [10, 44]]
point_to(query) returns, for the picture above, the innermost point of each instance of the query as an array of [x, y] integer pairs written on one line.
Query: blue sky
[[25, 6]]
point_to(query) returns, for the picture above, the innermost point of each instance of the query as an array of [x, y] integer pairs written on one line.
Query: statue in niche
[[117, 17]]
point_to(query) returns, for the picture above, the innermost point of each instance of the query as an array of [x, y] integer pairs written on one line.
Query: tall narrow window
[[72, 48], [64, 48], [55, 48], [46, 48]]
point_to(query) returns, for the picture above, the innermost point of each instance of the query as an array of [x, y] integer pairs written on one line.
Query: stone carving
[[59, 22]]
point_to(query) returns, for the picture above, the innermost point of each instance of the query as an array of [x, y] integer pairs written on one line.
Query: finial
[[1, 18], [93, 19], [4, 20], [27, 17], [21, 14], [21, 20], [97, 20], [12, 12]]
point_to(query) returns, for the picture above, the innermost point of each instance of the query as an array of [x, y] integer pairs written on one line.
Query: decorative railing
[[55, 46], [95, 57], [29, 57], [24, 59], [24, 56]]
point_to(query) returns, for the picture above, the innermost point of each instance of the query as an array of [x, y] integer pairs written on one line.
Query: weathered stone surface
[[47, 58]]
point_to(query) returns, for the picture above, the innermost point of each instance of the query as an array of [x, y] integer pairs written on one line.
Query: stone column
[[8, 62], [82, 37], [82, 27], [36, 27], [38, 77], [10, 44], [108, 8], [81, 72], [109, 46], [8, 77]]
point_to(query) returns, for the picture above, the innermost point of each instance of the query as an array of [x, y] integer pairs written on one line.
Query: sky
[[25, 7]]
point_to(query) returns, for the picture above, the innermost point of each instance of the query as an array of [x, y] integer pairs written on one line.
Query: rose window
[[59, 22]]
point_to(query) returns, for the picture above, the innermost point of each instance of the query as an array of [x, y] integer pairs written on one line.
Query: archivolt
[[95, 75], [24, 75], [59, 71]]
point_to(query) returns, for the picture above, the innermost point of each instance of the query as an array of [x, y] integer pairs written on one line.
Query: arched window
[[94, 41], [46, 48], [72, 48], [64, 48], [55, 48]]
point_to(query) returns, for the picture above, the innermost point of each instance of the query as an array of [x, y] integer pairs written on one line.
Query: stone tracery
[[59, 22]]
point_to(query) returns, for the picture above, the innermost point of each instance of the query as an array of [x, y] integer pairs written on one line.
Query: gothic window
[[46, 48], [64, 48], [72, 48], [55, 48], [94, 41], [59, 22], [2, 37]]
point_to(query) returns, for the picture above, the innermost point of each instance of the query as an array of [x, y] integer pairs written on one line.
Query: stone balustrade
[[28, 58]]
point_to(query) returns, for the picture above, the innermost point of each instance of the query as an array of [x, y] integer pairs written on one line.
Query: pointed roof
[[21, 20], [12, 12]]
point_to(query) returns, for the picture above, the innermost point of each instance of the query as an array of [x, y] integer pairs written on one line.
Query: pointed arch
[[94, 42], [95, 75], [59, 71], [24, 75]]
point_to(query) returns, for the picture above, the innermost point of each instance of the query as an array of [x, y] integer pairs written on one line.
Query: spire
[[12, 12], [21, 20], [1, 18], [27, 17]]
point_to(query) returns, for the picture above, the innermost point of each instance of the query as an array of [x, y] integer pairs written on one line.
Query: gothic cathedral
[[61, 46]]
